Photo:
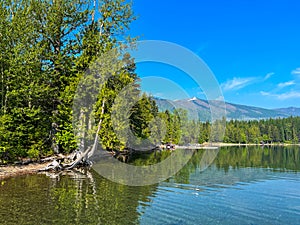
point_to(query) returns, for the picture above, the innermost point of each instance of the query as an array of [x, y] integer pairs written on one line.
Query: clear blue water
[[241, 186], [274, 199]]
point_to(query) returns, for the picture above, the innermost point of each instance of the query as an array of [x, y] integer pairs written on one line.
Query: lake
[[241, 185]]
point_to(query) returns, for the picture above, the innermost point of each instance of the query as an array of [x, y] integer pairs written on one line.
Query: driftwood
[[54, 165], [78, 158], [82, 158]]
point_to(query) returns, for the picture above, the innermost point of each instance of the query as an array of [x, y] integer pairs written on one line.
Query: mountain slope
[[293, 111], [198, 108]]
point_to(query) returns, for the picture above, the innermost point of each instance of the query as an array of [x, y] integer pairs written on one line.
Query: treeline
[[184, 131], [177, 128], [46, 47], [281, 130]]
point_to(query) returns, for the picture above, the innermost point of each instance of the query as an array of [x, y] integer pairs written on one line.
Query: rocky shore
[[16, 170]]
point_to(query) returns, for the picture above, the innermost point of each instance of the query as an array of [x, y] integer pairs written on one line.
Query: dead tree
[[78, 157]]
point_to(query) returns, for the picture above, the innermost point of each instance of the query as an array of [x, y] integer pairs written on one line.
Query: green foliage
[[33, 152], [142, 113], [284, 130], [45, 48], [280, 130], [175, 125]]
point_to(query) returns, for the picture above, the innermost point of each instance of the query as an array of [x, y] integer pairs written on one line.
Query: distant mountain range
[[291, 111], [198, 108]]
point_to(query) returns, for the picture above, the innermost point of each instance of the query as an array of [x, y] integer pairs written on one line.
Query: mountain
[[199, 108], [293, 111]]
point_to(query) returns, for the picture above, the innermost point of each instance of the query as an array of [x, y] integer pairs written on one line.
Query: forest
[[181, 130], [45, 49]]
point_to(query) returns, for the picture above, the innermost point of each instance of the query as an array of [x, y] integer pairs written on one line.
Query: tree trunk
[[79, 157]]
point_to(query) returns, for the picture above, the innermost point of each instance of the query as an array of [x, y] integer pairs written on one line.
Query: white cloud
[[286, 84], [282, 96], [268, 75], [296, 71], [158, 94], [236, 83], [264, 93]]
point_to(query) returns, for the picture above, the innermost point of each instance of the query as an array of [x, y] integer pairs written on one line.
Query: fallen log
[[81, 158], [54, 165]]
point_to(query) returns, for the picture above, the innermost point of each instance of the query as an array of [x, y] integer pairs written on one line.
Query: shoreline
[[11, 170], [222, 144], [213, 145], [8, 171]]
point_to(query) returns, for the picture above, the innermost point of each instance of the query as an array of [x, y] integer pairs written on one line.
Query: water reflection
[[82, 197], [231, 164], [275, 157], [242, 185], [240, 165]]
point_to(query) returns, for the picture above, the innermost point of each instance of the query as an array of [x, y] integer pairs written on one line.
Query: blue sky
[[252, 47]]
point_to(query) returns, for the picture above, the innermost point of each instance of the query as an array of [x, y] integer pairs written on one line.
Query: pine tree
[[46, 47]]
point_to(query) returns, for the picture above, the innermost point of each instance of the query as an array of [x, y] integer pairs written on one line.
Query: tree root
[[78, 157], [69, 162]]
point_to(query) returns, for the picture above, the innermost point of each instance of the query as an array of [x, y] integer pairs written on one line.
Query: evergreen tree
[[46, 47]]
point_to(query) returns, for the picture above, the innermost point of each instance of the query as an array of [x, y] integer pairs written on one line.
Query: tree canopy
[[46, 47]]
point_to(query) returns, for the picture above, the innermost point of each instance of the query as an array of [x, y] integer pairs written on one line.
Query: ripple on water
[[273, 201]]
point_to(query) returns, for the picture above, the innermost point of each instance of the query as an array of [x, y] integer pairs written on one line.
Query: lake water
[[241, 186]]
